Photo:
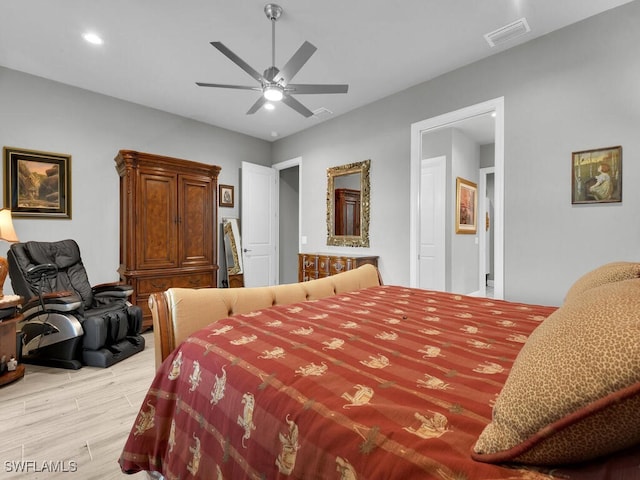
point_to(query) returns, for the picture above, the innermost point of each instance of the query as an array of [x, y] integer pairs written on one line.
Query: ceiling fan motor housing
[[270, 73]]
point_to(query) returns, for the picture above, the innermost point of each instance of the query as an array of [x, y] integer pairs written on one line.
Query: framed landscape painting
[[37, 184]]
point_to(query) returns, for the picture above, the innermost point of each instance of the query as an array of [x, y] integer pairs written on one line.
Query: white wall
[[43, 115], [571, 90]]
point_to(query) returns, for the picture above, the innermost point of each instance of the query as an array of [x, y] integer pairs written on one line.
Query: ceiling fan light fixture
[[273, 93], [269, 106]]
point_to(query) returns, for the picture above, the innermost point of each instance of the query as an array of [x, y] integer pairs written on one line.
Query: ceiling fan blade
[[238, 61], [305, 88], [221, 85], [296, 62], [256, 106], [297, 106]]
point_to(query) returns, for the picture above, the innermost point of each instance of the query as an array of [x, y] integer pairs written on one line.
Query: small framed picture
[[226, 196], [37, 184], [597, 175], [466, 206]]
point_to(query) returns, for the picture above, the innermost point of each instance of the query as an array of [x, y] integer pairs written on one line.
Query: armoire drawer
[[160, 284]]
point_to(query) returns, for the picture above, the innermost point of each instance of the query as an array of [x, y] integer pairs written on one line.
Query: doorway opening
[[270, 220], [420, 148], [289, 221]]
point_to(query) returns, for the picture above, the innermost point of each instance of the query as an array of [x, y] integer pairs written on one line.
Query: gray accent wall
[[40, 114], [288, 225], [571, 90], [465, 261]]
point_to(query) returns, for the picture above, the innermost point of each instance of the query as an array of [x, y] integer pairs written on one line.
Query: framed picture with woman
[[597, 175]]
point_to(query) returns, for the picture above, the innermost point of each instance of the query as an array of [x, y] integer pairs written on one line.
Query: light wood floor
[[53, 417]]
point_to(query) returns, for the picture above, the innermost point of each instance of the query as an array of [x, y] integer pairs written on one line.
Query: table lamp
[[8, 234]]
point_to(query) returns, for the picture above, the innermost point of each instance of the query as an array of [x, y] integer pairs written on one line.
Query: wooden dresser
[[168, 221], [318, 265]]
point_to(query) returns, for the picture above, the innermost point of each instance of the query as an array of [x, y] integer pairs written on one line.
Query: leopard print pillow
[[609, 273], [573, 393]]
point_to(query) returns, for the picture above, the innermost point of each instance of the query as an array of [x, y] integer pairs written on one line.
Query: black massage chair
[[67, 322]]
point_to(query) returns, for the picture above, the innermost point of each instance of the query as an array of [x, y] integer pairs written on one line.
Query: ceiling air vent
[[507, 33], [321, 113]]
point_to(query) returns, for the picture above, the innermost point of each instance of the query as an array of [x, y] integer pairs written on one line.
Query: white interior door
[[259, 213], [431, 255]]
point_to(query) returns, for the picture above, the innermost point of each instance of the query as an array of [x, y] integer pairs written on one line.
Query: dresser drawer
[[324, 265], [308, 262], [340, 264], [319, 265], [160, 284]]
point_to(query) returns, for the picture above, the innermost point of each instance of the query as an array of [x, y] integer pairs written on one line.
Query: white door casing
[[495, 106], [483, 232]]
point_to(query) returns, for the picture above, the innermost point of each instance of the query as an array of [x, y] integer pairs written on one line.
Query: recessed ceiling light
[[93, 38]]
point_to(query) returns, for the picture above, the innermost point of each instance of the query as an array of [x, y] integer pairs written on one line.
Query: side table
[[8, 337]]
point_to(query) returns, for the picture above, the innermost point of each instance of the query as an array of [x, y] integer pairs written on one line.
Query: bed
[[385, 382]]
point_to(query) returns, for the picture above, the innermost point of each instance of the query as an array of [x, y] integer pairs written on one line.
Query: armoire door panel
[[156, 241], [195, 221]]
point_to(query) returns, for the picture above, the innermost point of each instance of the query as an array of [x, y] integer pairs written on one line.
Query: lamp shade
[[7, 232]]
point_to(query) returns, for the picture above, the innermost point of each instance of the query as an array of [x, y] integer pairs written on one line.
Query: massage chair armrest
[[112, 290], [53, 302]]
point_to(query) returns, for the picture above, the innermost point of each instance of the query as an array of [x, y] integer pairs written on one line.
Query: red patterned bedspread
[[382, 383]]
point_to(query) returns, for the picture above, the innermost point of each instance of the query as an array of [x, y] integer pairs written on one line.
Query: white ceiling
[[155, 50]]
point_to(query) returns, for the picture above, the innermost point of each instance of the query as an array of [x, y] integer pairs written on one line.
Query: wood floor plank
[[58, 424]]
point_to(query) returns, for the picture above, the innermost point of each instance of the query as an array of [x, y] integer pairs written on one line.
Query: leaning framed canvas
[[37, 184], [226, 196], [597, 175], [466, 206]]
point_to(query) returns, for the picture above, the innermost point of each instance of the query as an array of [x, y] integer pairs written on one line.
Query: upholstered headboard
[[178, 312]]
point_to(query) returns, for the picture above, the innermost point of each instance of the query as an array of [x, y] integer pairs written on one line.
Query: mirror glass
[[348, 200]]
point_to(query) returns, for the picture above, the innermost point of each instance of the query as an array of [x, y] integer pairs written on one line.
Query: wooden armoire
[[168, 222]]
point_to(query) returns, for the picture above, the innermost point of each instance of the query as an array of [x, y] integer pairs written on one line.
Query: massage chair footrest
[[108, 355]]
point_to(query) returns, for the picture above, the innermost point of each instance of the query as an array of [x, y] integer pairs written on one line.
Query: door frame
[[482, 230], [496, 106]]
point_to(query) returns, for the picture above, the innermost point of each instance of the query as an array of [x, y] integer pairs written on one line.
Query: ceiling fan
[[274, 83]]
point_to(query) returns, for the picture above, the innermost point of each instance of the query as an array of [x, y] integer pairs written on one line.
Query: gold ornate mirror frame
[[231, 241], [361, 240]]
